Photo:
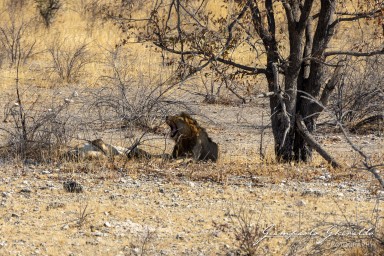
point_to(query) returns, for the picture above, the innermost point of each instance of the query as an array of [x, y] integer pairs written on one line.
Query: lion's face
[[181, 126]]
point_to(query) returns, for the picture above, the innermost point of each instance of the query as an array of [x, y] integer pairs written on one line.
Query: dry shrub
[[132, 100], [34, 128], [359, 98], [69, 58], [15, 42], [249, 232]]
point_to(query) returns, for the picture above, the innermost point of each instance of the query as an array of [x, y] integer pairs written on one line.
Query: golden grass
[[73, 25]]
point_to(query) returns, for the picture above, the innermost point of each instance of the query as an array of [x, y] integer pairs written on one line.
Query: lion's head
[[182, 126]]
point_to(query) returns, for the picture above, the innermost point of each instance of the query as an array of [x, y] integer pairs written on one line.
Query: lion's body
[[96, 149], [191, 139], [107, 149], [137, 153]]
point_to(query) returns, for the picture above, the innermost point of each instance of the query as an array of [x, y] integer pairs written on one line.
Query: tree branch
[[352, 53], [317, 60], [243, 67], [305, 134], [355, 16], [270, 17], [289, 12], [179, 31], [258, 24], [232, 24], [221, 60], [329, 87], [277, 92], [305, 12], [371, 168]]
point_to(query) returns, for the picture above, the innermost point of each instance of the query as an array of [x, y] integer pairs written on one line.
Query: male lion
[[191, 139]]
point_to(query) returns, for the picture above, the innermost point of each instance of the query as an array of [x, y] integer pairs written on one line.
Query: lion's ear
[[185, 115]]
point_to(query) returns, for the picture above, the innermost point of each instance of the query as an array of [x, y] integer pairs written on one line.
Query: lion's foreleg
[[175, 152], [196, 151]]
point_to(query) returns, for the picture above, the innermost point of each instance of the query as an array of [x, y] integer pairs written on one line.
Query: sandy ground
[[183, 208]]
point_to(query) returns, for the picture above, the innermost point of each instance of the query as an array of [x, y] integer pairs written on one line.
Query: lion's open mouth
[[173, 130]]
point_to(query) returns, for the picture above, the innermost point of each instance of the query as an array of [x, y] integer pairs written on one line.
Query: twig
[[371, 168], [262, 155]]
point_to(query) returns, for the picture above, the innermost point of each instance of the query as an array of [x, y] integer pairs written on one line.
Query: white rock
[[380, 194], [65, 227], [300, 203], [98, 233]]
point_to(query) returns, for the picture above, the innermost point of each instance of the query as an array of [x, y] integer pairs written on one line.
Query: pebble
[[107, 224], [3, 244], [325, 177], [65, 227], [300, 203], [136, 251], [14, 215], [98, 233], [313, 192], [25, 190], [380, 194]]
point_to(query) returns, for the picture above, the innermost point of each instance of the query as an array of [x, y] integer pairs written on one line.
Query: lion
[[95, 149], [191, 139]]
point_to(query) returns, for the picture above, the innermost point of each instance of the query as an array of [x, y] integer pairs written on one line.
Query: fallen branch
[[368, 120], [312, 142], [265, 94]]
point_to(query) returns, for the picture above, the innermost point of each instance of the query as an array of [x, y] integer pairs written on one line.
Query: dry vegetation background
[[77, 83]]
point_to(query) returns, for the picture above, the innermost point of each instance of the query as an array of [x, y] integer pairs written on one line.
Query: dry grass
[[171, 201]]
